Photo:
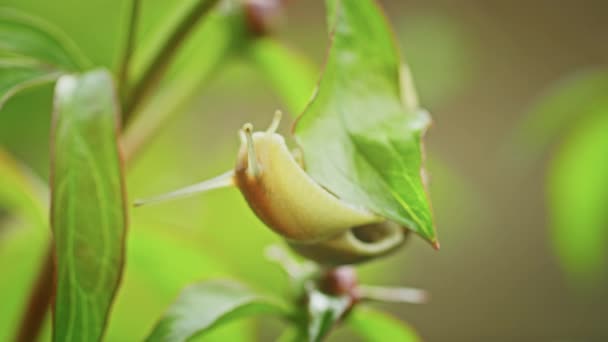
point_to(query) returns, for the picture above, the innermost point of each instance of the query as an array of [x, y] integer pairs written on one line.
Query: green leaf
[[203, 306], [374, 325], [19, 74], [361, 134], [26, 36], [32, 52], [291, 75], [577, 197], [324, 312], [88, 205]]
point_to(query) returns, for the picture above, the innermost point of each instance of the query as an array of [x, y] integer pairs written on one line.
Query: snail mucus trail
[[314, 222]]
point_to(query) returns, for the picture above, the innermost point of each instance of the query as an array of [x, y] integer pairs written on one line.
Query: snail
[[315, 223]]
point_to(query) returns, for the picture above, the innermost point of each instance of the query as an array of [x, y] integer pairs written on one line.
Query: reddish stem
[[39, 301]]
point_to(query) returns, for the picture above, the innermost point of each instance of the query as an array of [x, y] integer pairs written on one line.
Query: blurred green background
[[519, 181]]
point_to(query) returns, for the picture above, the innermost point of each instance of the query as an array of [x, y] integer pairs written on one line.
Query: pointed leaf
[[32, 52], [374, 325], [577, 198], [203, 306], [361, 134], [88, 212]]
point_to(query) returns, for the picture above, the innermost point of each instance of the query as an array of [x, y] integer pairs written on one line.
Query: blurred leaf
[[360, 138], [577, 197], [26, 36], [292, 76], [324, 312], [21, 249], [374, 325], [218, 26], [25, 123], [32, 52], [561, 106], [21, 191], [204, 306], [19, 74], [151, 281], [214, 44], [88, 212], [291, 334]]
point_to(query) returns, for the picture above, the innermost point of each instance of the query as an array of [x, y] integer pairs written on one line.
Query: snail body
[[314, 222], [284, 197]]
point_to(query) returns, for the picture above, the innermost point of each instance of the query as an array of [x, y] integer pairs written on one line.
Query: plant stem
[[123, 74], [38, 302], [157, 67]]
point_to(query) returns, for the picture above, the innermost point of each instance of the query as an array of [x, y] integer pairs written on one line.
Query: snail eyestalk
[[221, 181], [276, 120], [253, 169]]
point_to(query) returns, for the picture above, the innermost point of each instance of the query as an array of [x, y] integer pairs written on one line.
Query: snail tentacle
[[253, 168], [276, 120], [222, 181]]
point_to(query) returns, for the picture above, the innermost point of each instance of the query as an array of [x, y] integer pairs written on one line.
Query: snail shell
[[355, 245]]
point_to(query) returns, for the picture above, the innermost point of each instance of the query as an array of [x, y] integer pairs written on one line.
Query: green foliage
[[374, 325], [575, 108], [202, 307], [151, 281], [361, 138], [19, 74], [32, 52], [88, 208], [88, 203], [22, 247], [577, 196], [324, 312], [192, 69], [23, 237]]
